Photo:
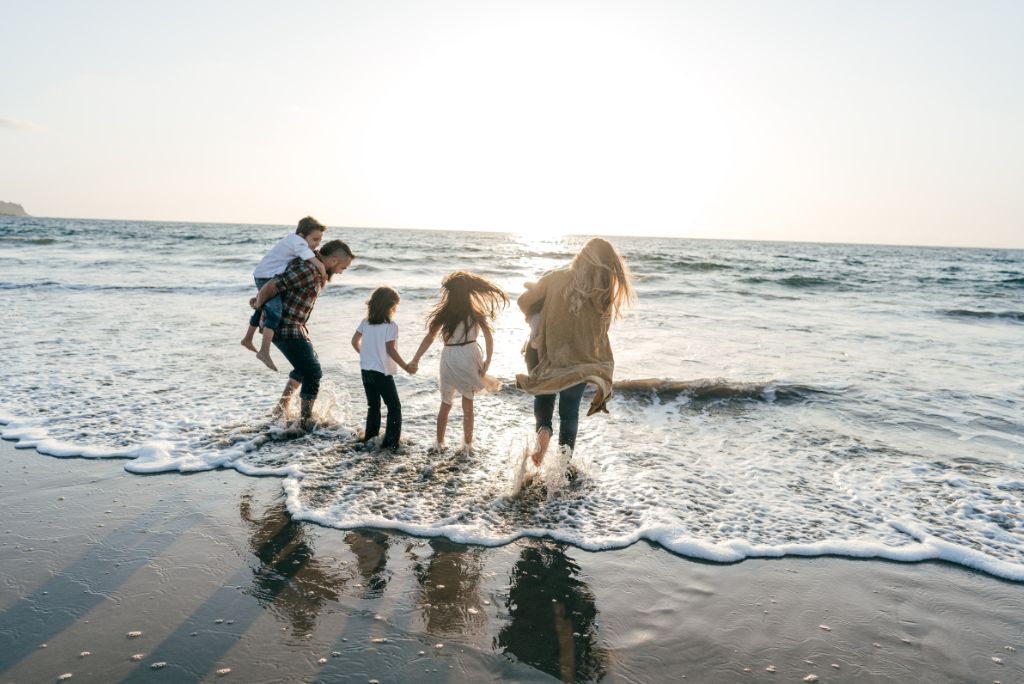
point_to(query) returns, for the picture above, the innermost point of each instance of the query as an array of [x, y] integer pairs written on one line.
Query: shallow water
[[823, 399]]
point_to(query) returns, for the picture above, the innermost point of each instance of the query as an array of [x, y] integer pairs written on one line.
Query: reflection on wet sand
[[450, 599], [552, 616], [371, 550], [288, 580]]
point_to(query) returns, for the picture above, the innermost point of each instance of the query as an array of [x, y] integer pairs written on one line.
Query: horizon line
[[512, 232]]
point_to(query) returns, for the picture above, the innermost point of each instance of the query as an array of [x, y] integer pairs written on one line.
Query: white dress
[[461, 361]]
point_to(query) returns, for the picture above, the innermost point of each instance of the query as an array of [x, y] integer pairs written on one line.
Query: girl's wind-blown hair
[[380, 304], [466, 298], [601, 277]]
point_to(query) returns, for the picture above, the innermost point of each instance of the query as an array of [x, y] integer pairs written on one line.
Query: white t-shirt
[[373, 352], [280, 255]]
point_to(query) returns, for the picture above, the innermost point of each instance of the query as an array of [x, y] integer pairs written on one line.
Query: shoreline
[[215, 574], [925, 549]]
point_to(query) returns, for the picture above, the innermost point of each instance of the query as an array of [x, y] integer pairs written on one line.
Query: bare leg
[[543, 438], [290, 388], [442, 422], [247, 340], [467, 421], [264, 353]]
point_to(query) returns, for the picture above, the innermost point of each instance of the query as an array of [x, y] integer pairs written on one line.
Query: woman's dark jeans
[[305, 365], [379, 386], [568, 413]]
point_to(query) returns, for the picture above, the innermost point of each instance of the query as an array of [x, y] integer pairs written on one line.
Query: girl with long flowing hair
[[468, 308]]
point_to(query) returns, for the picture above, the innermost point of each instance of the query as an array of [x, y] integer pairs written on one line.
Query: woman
[[576, 306]]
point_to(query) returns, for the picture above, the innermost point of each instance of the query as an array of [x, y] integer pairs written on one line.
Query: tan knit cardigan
[[573, 348]]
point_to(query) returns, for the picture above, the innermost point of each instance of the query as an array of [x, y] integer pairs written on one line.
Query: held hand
[[252, 302], [412, 368]]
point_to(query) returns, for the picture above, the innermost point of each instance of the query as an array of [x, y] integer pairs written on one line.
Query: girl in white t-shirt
[[376, 340], [468, 307], [297, 245]]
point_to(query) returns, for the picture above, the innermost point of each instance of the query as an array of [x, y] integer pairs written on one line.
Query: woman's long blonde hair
[[600, 275]]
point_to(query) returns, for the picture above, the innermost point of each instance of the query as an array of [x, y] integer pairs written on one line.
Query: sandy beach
[[214, 574]]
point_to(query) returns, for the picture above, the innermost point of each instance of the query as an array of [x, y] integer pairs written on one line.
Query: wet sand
[[215, 575]]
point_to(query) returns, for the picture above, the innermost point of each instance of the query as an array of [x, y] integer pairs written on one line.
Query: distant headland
[[11, 209]]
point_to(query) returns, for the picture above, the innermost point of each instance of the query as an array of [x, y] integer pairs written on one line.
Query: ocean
[[777, 398]]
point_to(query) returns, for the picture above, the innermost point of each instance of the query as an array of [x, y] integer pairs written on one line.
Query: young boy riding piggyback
[[300, 244]]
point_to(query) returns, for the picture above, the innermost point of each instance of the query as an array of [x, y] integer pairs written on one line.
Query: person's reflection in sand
[[552, 616], [371, 551], [288, 580], [450, 588]]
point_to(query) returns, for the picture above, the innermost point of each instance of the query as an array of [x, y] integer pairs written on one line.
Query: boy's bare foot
[[308, 424], [265, 358], [247, 343]]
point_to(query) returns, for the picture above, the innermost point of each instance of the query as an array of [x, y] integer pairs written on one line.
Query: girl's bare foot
[[265, 358], [247, 343]]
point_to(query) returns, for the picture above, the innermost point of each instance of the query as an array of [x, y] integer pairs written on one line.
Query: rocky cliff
[[11, 209]]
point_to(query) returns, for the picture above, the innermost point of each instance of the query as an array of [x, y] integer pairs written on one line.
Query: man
[[299, 286]]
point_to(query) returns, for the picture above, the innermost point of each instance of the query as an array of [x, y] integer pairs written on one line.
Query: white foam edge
[[925, 548], [149, 458], [161, 457]]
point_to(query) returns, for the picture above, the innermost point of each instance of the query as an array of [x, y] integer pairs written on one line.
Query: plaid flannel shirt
[[298, 286]]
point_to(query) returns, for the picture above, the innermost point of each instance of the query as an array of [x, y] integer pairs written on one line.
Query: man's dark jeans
[[568, 413], [379, 386], [305, 365]]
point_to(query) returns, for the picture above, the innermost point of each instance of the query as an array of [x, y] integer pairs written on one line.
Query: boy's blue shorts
[[271, 310]]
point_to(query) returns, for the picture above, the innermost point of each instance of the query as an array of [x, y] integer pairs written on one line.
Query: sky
[[869, 121]]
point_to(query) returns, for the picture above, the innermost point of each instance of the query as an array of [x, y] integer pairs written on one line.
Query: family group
[[569, 311]]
